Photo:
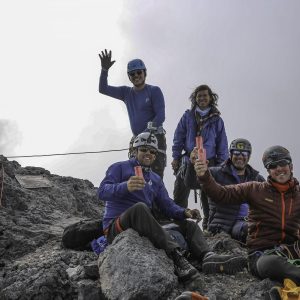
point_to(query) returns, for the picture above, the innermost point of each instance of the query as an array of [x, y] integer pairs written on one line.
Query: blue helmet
[[135, 64]]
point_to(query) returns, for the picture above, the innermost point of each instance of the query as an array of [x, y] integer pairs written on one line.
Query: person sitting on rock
[[274, 217], [236, 169], [128, 204]]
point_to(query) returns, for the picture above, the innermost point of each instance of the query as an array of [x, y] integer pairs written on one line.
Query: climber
[[232, 219], [203, 119], [145, 104], [273, 238], [128, 204]]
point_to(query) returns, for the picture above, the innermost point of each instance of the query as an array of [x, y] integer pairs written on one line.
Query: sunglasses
[[144, 150], [132, 73], [280, 163], [237, 153]]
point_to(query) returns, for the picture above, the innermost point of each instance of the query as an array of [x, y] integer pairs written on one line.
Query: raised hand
[[200, 167], [135, 183], [106, 61]]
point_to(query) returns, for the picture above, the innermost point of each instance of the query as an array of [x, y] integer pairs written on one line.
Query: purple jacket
[[213, 133], [146, 105], [113, 191]]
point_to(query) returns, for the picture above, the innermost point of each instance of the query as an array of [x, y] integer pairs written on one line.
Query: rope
[[69, 153]]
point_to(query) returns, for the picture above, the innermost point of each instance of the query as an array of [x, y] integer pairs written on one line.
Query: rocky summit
[[35, 208]]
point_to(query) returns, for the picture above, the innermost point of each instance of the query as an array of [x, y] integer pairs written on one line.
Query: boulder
[[132, 268]]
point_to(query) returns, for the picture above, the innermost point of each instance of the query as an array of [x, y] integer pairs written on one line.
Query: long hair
[[213, 96]]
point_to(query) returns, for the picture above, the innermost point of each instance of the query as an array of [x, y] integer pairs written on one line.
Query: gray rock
[[132, 268], [33, 265]]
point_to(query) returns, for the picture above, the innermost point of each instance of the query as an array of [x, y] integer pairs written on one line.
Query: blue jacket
[[113, 191], [146, 105], [223, 216], [213, 133]]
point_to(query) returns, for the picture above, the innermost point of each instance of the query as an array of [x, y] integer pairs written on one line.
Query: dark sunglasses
[[144, 150], [280, 163], [132, 73], [237, 153]]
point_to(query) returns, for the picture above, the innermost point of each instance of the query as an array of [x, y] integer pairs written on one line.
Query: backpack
[[78, 236]]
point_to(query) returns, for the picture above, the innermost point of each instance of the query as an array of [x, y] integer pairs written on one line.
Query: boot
[[183, 269], [273, 293], [228, 264]]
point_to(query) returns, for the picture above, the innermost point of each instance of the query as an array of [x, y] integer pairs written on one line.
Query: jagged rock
[[34, 265], [132, 268]]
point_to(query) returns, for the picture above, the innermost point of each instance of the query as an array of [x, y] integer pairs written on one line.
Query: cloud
[[10, 137]]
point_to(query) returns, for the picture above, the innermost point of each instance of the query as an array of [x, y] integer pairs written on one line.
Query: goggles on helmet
[[279, 163]]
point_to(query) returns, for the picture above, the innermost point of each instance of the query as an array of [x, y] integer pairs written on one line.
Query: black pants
[[273, 263], [161, 158], [140, 218], [181, 195], [277, 268], [181, 192]]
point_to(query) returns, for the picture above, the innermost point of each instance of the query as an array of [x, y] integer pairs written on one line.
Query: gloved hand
[[106, 61], [175, 165], [193, 214]]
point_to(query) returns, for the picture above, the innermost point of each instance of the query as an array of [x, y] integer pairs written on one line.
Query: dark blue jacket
[[113, 191], [223, 216], [213, 133]]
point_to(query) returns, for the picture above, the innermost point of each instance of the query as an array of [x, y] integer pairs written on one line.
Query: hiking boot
[[273, 294], [183, 269], [228, 264]]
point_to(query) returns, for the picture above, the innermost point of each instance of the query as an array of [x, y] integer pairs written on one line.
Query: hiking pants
[[181, 192], [140, 218], [277, 268], [194, 237], [205, 209]]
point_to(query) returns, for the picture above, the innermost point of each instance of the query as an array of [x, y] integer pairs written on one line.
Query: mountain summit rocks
[[34, 265]]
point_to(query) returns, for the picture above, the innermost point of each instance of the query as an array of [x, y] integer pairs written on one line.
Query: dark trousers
[[160, 162], [181, 192], [205, 208], [277, 268], [140, 218]]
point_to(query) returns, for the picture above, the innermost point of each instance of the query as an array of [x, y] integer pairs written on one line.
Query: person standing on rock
[[274, 218], [128, 204], [231, 218], [145, 104], [203, 119]]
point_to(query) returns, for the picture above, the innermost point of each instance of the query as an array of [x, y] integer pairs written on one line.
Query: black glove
[[106, 61]]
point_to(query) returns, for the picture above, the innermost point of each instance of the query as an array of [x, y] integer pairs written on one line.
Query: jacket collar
[[292, 184]]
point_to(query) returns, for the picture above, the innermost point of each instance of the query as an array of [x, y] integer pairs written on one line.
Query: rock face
[[140, 270], [34, 265]]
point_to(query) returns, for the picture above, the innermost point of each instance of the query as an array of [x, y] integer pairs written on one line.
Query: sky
[[246, 51]]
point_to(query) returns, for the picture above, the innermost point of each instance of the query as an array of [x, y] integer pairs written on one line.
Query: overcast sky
[[247, 51]]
